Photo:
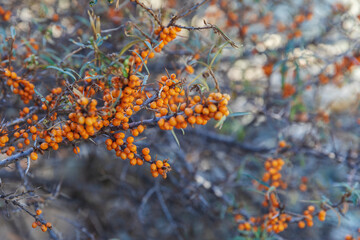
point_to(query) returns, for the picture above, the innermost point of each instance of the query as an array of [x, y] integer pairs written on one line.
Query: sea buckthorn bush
[[159, 119]]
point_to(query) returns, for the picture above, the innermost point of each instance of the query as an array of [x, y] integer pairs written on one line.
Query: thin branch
[[150, 11], [15, 157], [40, 217], [193, 28], [186, 13]]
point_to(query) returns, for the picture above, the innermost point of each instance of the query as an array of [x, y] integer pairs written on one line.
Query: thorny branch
[[27, 186]]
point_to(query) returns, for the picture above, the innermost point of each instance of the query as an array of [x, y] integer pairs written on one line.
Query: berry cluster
[[19, 86], [43, 226], [5, 14]]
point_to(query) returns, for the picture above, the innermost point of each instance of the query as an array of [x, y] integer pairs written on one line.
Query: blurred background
[[296, 71]]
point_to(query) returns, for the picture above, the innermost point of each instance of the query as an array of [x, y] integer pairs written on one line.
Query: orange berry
[[130, 140], [38, 212], [153, 167], [44, 146], [43, 228], [188, 111], [76, 150], [159, 164], [192, 119], [33, 156], [311, 208], [108, 141], [33, 129], [163, 111], [34, 225], [218, 116], [322, 215], [180, 118], [212, 108], [282, 144], [198, 108], [13, 75], [172, 121], [301, 224], [145, 151]]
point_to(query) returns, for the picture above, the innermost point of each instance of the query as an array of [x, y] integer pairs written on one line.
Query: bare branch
[[12, 159]]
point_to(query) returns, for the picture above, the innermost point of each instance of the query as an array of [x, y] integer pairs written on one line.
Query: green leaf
[[62, 71], [40, 95], [220, 123], [46, 58], [175, 137], [148, 45], [128, 46], [217, 54], [238, 114], [256, 179], [84, 67], [72, 70], [78, 43]]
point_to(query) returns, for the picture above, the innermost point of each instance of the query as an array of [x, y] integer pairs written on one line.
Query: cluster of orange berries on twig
[[272, 174], [19, 86], [44, 226], [5, 14], [160, 167], [277, 219], [176, 110], [308, 216], [273, 221], [165, 36]]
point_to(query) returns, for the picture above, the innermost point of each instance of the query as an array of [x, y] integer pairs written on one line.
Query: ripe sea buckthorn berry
[[172, 121], [282, 144], [130, 140], [76, 150], [13, 75], [311, 208], [189, 69], [145, 151], [38, 212], [212, 108], [108, 141], [139, 101], [7, 73], [34, 225], [43, 228], [33, 156], [322, 215], [349, 237], [301, 224], [44, 146], [198, 108], [218, 116], [159, 164], [188, 111], [33, 129], [133, 161]]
